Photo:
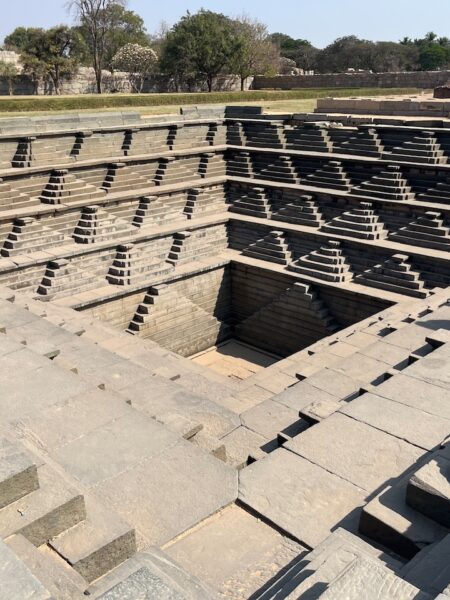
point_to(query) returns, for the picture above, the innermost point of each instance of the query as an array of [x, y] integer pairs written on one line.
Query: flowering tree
[[138, 61]]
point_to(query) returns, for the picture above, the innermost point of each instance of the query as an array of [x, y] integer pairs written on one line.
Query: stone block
[[346, 447], [299, 497]]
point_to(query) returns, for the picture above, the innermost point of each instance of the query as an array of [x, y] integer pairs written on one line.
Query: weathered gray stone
[[299, 497], [346, 447]]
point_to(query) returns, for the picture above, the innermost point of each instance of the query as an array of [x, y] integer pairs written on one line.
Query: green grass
[[37, 104]]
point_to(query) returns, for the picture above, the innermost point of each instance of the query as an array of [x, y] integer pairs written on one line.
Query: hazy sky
[[320, 21]]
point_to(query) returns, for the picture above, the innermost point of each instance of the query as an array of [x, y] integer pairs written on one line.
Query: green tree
[[138, 61], [200, 47], [256, 54], [434, 56], [106, 26], [9, 72], [302, 52]]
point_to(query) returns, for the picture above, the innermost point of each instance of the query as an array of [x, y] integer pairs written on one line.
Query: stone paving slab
[[17, 581], [360, 454], [404, 422], [251, 552], [299, 497], [167, 494], [113, 448], [416, 393]]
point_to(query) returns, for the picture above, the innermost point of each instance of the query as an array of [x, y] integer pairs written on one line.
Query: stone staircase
[[64, 187], [156, 210], [366, 142], [274, 168], [396, 274], [330, 175], [236, 134], [133, 266], [388, 185], [250, 201], [239, 164], [29, 235], [439, 193], [172, 170], [12, 199], [423, 148], [145, 141], [327, 263], [96, 225], [189, 246], [427, 231], [301, 210], [211, 165], [121, 178], [205, 200], [190, 136], [358, 222], [308, 137], [264, 134], [272, 248], [175, 322], [89, 144], [291, 321], [62, 278]]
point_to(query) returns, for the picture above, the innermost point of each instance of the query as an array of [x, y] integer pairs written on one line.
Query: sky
[[319, 21]]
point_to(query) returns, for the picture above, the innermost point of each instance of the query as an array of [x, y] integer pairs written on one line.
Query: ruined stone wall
[[84, 83], [419, 79]]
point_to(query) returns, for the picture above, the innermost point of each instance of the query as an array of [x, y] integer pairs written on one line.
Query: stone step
[[45, 512], [17, 581], [18, 473], [369, 579], [428, 490], [98, 544], [63, 582], [149, 575], [430, 569]]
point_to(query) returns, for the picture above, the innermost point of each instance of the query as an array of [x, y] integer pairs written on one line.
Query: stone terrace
[[306, 260]]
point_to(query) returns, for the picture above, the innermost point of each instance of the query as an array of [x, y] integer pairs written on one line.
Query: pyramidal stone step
[[273, 248], [97, 225], [366, 142], [235, 134], [423, 148], [62, 277], [301, 210], [310, 137], [29, 235], [359, 222], [24, 156], [239, 164], [395, 275], [388, 185], [439, 193], [250, 201], [428, 231], [63, 187], [131, 266], [327, 263], [331, 175]]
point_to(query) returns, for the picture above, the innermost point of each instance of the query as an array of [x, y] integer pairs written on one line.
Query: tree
[[434, 56], [200, 46], [302, 52], [256, 54], [106, 26], [47, 54], [138, 61], [9, 72]]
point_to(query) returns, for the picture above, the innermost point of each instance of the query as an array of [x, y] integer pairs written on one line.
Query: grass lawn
[[157, 104]]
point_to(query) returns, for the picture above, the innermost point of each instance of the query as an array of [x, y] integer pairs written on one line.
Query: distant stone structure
[[414, 79], [224, 356]]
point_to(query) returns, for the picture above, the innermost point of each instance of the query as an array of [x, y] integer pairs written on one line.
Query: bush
[[94, 102]]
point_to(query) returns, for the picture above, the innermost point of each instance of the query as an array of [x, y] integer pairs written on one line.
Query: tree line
[[421, 54], [197, 49], [108, 36]]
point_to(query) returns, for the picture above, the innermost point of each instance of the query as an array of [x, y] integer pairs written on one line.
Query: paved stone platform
[[224, 357]]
